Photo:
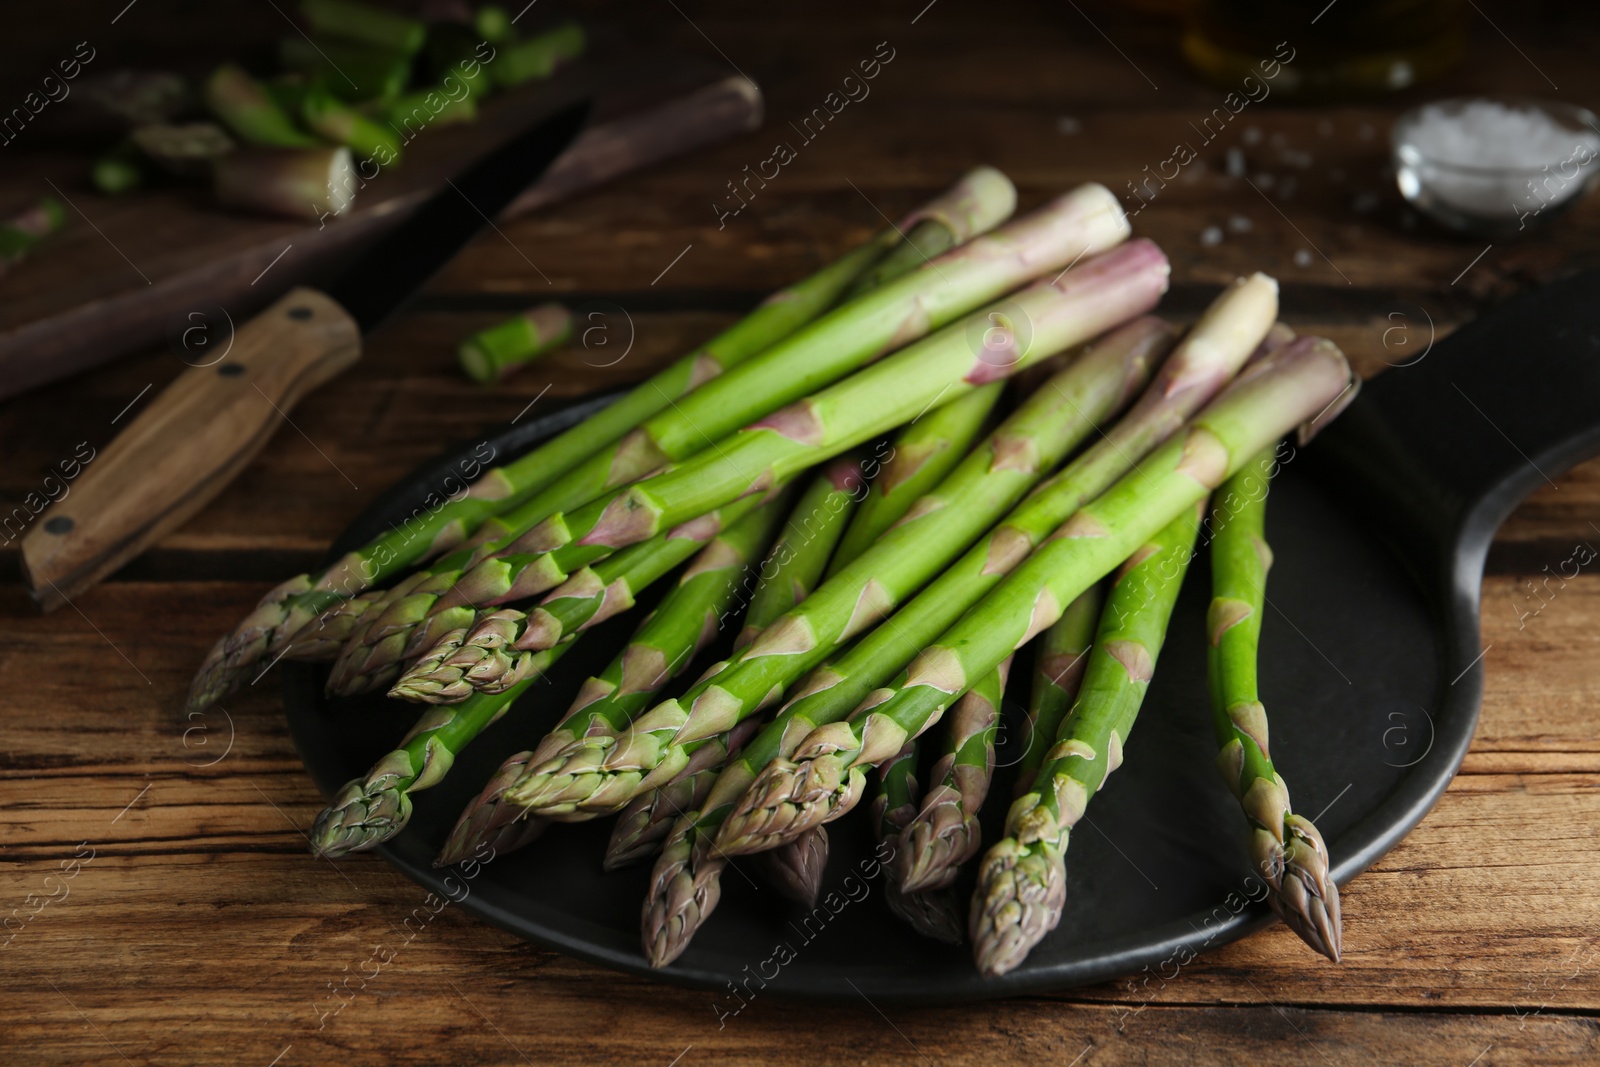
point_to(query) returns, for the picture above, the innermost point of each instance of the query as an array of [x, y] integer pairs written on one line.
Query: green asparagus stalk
[[249, 110], [1032, 325], [21, 233], [825, 779], [537, 57], [364, 24], [937, 528], [371, 809], [311, 599], [340, 123], [1022, 880], [826, 350], [924, 453], [489, 355], [486, 821], [893, 806], [299, 183], [805, 546], [945, 832], [498, 649], [1286, 848], [1063, 654]]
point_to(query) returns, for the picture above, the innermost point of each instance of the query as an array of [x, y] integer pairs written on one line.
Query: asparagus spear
[[489, 355], [351, 71], [486, 821], [301, 183], [1058, 671], [493, 23], [1022, 880], [1295, 384], [823, 351], [340, 123], [1037, 322], [945, 833], [807, 543], [371, 809], [500, 647], [1286, 848], [893, 806], [924, 453], [310, 598], [937, 528], [537, 57], [249, 110], [365, 24], [1208, 356]]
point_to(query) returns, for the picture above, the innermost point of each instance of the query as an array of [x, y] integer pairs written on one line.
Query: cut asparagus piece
[[493, 23], [945, 832], [1022, 879], [754, 388], [1286, 848], [537, 57], [119, 171], [894, 805], [311, 601], [1036, 437], [340, 123], [489, 355], [805, 545], [1038, 322], [496, 649], [298, 183], [924, 453], [1299, 383], [1063, 653], [371, 809], [247, 109], [365, 24], [185, 150]]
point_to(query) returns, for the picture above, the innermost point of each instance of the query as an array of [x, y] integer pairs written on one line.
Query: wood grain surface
[[200, 931]]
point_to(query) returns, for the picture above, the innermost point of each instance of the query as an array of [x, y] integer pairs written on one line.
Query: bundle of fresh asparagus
[[864, 588]]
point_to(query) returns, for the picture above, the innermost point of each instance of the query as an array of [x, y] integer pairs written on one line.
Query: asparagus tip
[[796, 868], [1305, 896], [361, 816], [786, 800], [1021, 892]]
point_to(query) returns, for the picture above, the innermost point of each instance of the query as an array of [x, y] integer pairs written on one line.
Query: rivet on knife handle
[[188, 444]]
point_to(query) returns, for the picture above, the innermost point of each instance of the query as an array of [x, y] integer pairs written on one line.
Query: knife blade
[[204, 428]]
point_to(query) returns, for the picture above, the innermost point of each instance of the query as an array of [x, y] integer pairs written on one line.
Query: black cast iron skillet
[[1371, 673]]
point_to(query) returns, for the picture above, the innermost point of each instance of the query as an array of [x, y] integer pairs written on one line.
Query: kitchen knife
[[205, 427]]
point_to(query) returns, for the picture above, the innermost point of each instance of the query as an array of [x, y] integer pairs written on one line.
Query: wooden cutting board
[[127, 272]]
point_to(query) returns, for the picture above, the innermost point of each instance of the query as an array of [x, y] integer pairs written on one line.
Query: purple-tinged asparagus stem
[[1063, 652], [894, 805], [486, 822]]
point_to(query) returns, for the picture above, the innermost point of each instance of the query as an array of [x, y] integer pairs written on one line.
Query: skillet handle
[[1439, 452]]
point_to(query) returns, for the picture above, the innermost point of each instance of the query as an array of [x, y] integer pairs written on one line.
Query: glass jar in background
[[1342, 50]]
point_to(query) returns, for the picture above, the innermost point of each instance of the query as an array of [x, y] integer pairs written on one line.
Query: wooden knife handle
[[190, 442]]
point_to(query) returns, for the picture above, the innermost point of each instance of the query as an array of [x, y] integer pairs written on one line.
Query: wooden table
[[201, 932]]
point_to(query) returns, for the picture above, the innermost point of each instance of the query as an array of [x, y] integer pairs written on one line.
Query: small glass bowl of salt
[[1496, 168]]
